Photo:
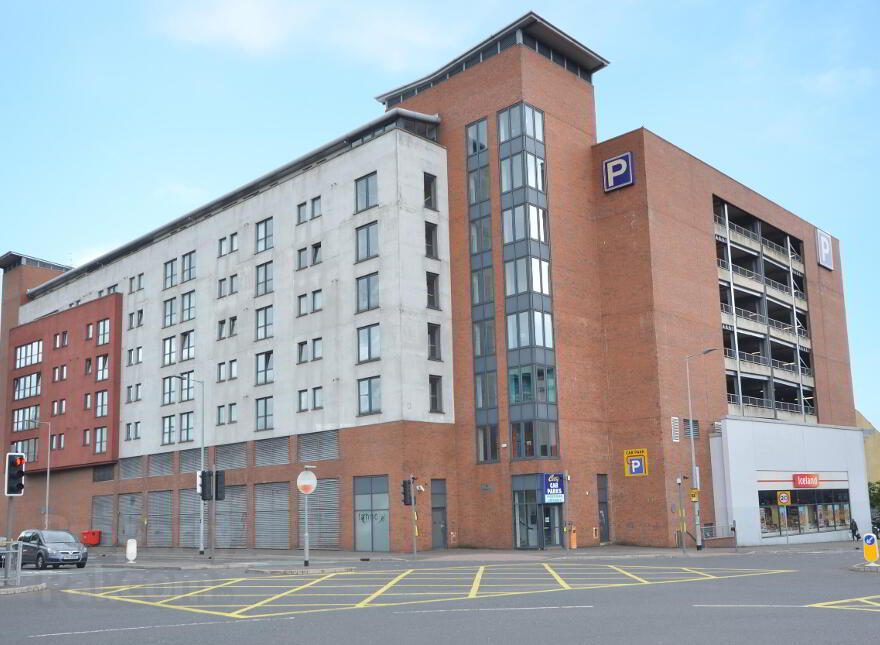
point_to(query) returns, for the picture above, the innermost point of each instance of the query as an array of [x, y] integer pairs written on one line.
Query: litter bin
[[91, 537]]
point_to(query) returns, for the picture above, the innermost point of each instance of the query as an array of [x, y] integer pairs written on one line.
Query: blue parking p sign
[[618, 172], [635, 462]]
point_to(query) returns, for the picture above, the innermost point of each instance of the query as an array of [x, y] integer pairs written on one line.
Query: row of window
[[522, 333], [529, 440], [29, 354], [187, 348], [26, 418], [302, 212], [187, 270], [30, 447]]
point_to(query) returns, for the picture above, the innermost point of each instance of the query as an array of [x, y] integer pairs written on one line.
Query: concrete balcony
[[748, 363], [787, 333], [744, 319]]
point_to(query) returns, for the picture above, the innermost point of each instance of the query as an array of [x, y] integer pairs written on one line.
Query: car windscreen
[[54, 537]]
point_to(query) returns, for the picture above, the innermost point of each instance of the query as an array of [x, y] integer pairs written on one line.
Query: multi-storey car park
[[469, 289]]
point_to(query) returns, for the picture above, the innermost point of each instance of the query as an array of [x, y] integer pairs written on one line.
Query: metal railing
[[719, 218], [796, 256], [745, 356], [800, 295], [736, 228], [11, 556], [722, 264], [743, 313], [769, 404], [779, 286], [773, 246], [778, 324], [748, 273]]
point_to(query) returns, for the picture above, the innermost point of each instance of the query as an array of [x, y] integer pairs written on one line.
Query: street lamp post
[[48, 468], [202, 454], [697, 528]]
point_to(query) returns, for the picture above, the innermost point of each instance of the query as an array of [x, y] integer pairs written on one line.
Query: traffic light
[[204, 481], [220, 486], [406, 492], [15, 464]]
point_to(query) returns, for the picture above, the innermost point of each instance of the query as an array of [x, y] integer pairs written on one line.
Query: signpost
[[554, 488], [306, 483], [869, 548], [783, 497]]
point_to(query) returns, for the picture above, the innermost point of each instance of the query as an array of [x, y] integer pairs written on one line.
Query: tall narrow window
[[188, 266], [264, 237], [265, 368], [487, 444], [368, 292], [188, 306], [264, 322], [430, 182], [366, 192], [431, 240], [367, 241], [369, 395], [265, 416], [169, 350], [169, 312], [432, 282], [187, 345], [170, 274], [316, 207], [167, 430], [302, 213], [435, 389], [186, 426], [103, 331], [264, 278], [433, 342], [369, 344]]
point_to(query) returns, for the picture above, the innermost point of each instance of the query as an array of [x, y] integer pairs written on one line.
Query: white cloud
[[840, 82], [378, 34]]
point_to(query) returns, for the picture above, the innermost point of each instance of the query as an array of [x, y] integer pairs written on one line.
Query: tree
[[874, 495]]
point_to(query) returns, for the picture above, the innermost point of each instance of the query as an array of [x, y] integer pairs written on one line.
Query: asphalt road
[[766, 598]]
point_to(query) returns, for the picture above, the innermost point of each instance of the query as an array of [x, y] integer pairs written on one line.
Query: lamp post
[[183, 381], [687, 366], [48, 469]]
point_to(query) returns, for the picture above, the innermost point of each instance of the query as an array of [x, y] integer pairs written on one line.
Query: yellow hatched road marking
[[366, 601], [282, 594], [475, 587], [627, 573], [701, 573], [202, 590], [556, 576]]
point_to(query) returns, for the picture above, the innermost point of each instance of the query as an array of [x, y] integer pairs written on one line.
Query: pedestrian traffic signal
[[15, 464], [406, 492], [204, 484]]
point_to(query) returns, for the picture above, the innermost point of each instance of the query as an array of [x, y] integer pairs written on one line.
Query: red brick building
[[573, 288]]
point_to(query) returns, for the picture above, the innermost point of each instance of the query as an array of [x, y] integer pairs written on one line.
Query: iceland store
[[776, 481]]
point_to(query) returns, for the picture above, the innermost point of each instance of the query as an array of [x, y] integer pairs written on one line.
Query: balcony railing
[[800, 295], [719, 219], [748, 273], [763, 240], [757, 359], [769, 404], [744, 313], [722, 264], [779, 286], [736, 228]]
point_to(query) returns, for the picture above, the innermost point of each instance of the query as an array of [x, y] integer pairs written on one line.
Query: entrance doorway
[[438, 513], [536, 526], [552, 525], [604, 520]]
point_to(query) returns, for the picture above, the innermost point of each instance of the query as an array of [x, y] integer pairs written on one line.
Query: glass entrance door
[[552, 525], [525, 519]]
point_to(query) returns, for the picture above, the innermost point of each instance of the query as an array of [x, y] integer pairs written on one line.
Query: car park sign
[[635, 462], [618, 172]]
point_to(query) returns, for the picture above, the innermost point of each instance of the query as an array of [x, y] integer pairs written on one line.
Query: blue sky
[[119, 116]]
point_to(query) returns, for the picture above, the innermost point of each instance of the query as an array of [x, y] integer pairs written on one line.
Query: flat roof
[[12, 259], [531, 24], [221, 203]]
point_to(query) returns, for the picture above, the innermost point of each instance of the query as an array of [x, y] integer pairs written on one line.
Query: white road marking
[[128, 629], [772, 606], [439, 611]]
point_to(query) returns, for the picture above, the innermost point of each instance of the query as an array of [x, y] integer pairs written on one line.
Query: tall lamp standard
[[185, 381], [698, 529], [48, 468]]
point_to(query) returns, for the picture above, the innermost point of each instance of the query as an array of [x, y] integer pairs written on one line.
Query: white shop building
[[776, 482]]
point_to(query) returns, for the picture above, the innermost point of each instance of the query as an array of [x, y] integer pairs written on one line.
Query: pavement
[[615, 594]]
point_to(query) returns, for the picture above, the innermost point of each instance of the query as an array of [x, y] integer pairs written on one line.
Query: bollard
[[131, 550]]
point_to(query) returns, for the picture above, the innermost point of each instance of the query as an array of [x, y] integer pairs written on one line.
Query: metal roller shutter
[[159, 513], [189, 518], [102, 517], [160, 464], [232, 521], [131, 506], [316, 446], [190, 460], [231, 456], [272, 452], [272, 515], [131, 468], [323, 515]]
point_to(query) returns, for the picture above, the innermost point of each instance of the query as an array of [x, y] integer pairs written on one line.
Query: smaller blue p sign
[[636, 466], [617, 172]]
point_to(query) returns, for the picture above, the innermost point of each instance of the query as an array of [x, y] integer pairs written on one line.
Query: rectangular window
[[32, 353], [485, 390], [90, 332], [545, 384], [302, 401], [167, 430], [222, 288], [317, 349], [302, 214], [86, 437], [518, 330], [188, 266], [431, 240], [369, 345], [170, 274], [369, 395], [516, 276], [317, 300], [482, 289], [169, 350], [187, 345], [133, 430], [233, 283], [430, 183], [187, 386], [169, 312], [264, 239], [366, 192], [168, 390], [265, 368], [264, 278], [186, 426], [265, 420], [221, 415], [432, 282], [27, 386], [100, 440], [302, 351], [26, 418], [478, 185], [101, 403], [433, 342], [188, 306], [534, 439], [317, 398], [103, 331], [316, 253], [481, 235], [435, 389], [368, 292], [477, 140], [131, 284], [302, 258], [221, 372], [102, 368], [233, 412], [367, 241], [233, 242], [264, 322], [316, 207], [302, 304], [222, 247], [487, 444]]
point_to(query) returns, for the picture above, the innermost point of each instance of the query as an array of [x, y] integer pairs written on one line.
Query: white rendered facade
[[399, 159]]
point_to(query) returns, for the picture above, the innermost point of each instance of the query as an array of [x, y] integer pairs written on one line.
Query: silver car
[[42, 548]]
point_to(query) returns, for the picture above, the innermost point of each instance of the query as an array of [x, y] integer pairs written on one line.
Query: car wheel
[[80, 565], [40, 562]]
